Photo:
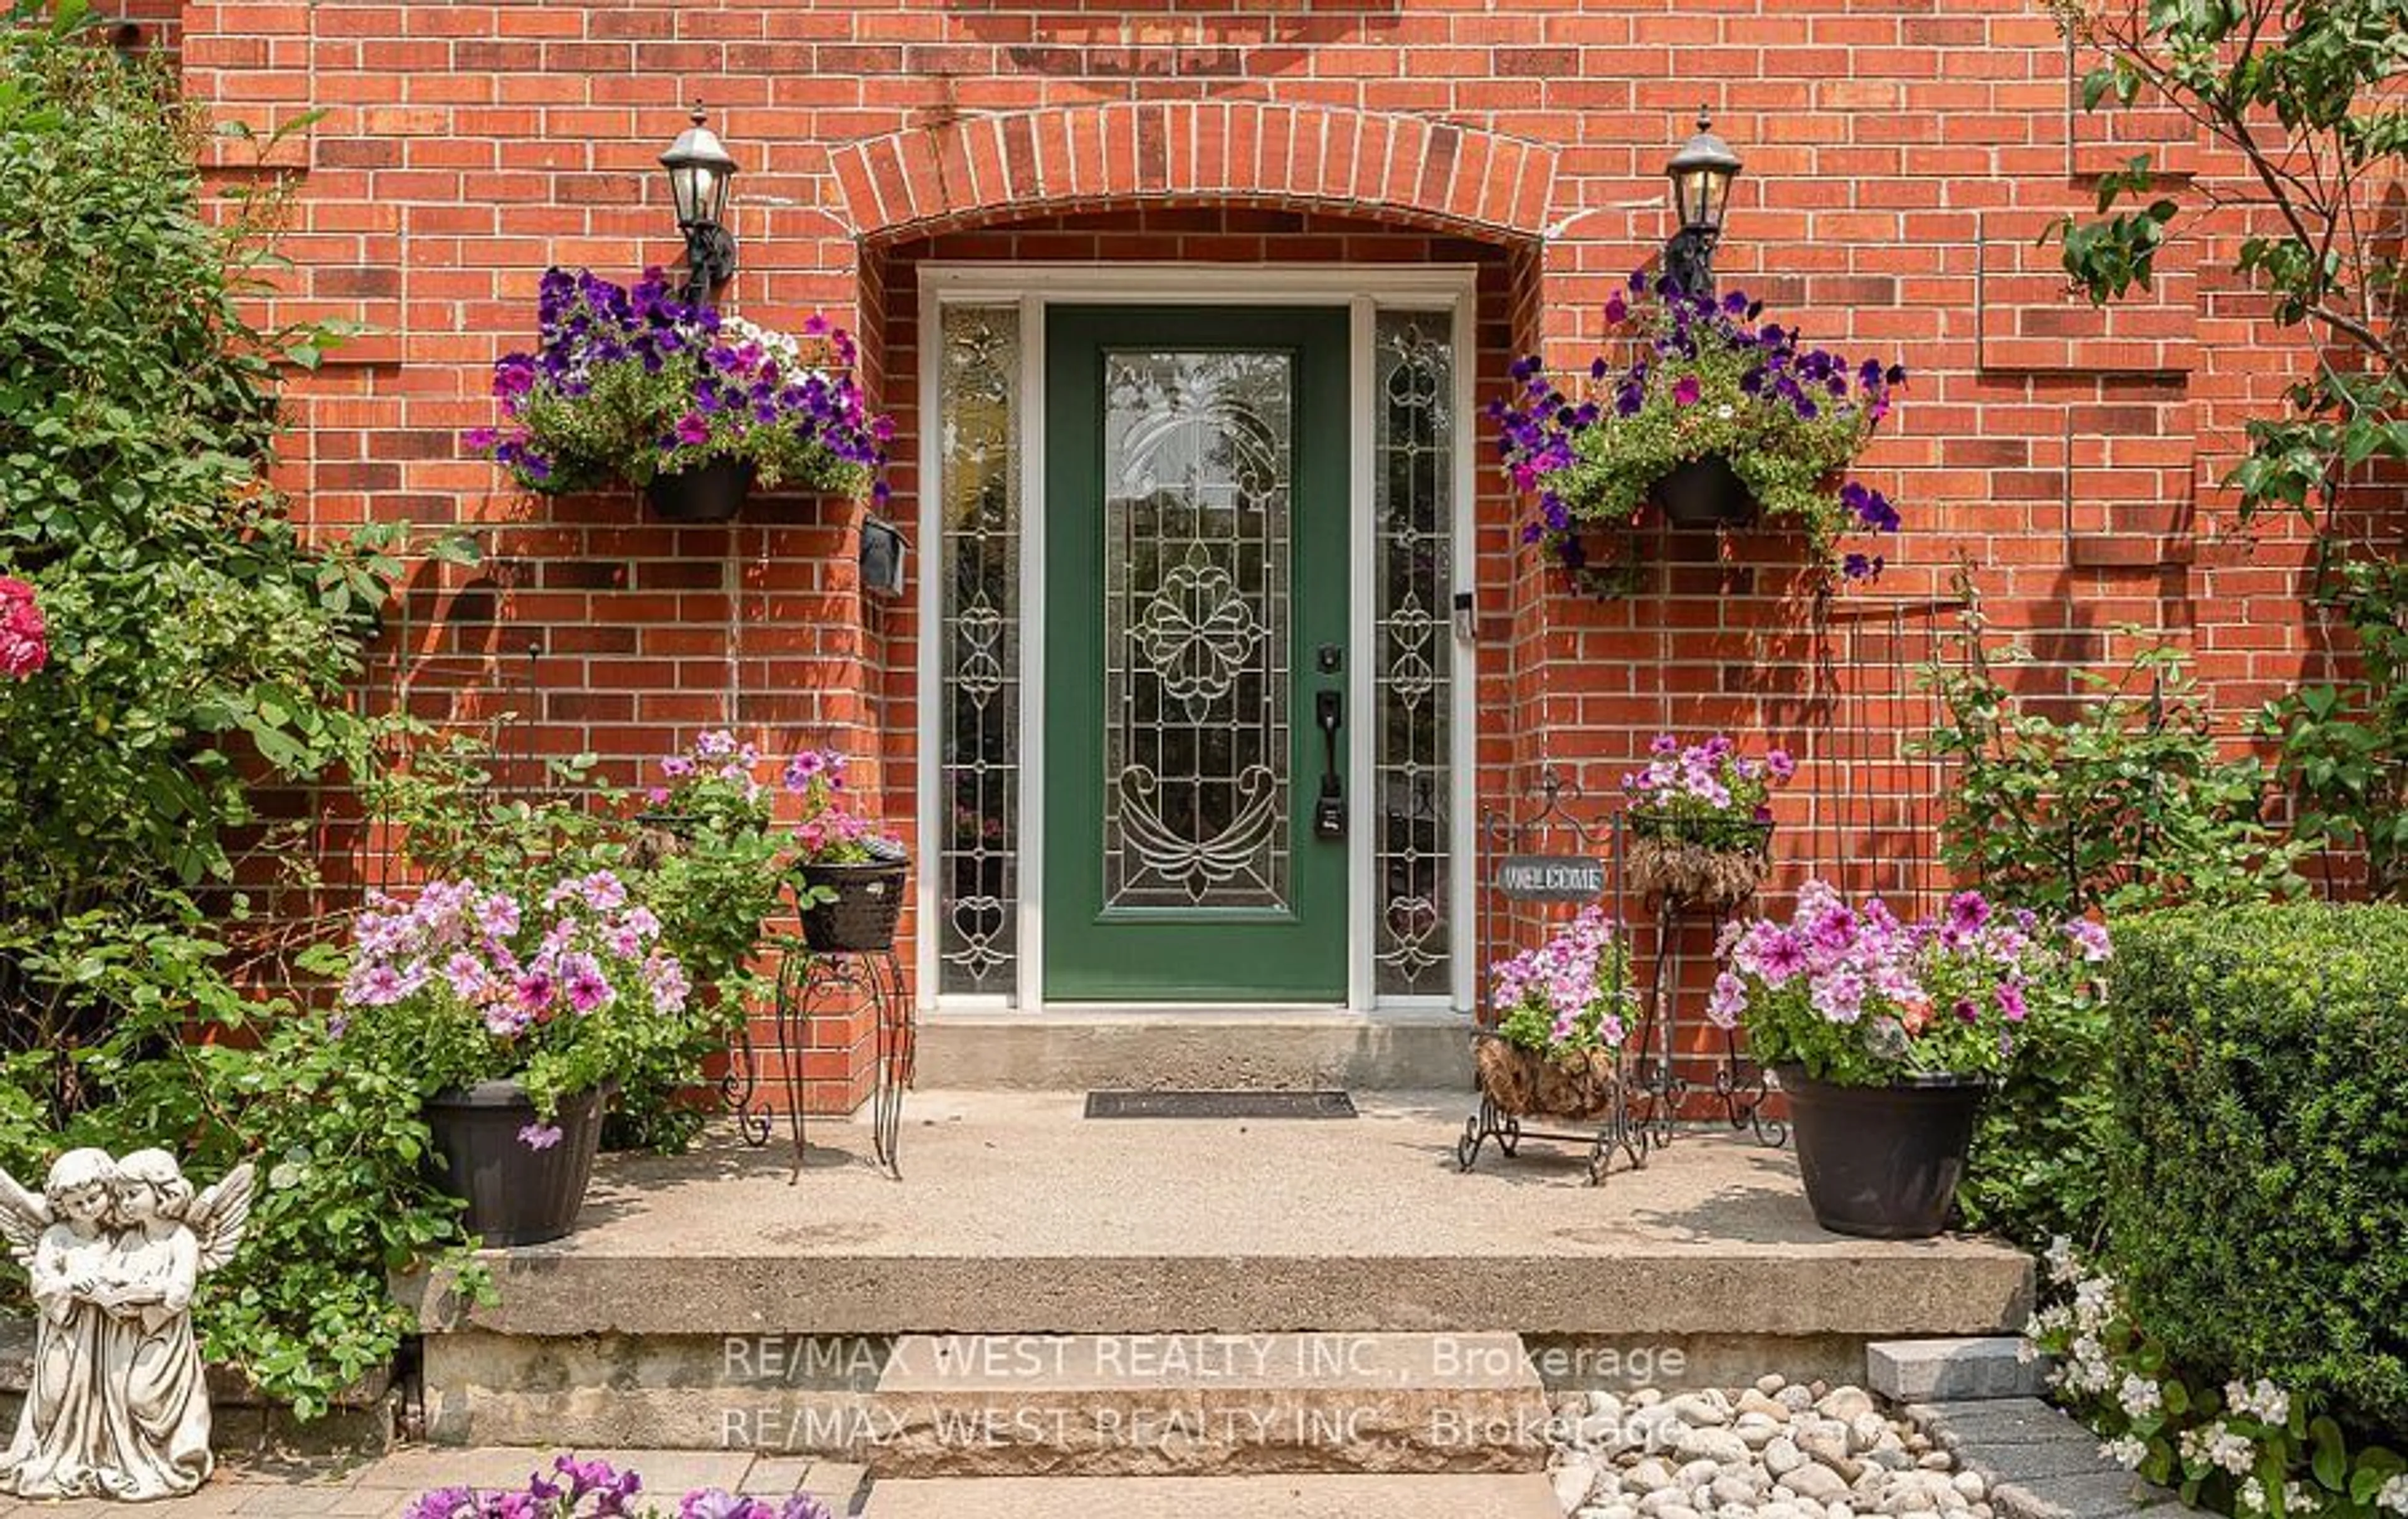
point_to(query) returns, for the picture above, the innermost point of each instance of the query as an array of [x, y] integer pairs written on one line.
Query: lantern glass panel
[[688, 185], [1697, 195]]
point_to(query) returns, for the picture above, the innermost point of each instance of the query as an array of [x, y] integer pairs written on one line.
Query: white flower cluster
[[2261, 1400], [2126, 1451], [2393, 1495], [2140, 1396], [783, 348], [2063, 1269], [2080, 1330], [2085, 1369], [2218, 1446]]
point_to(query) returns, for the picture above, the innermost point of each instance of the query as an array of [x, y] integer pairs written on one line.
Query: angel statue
[[118, 1407]]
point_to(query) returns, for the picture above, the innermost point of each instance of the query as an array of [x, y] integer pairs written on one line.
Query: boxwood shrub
[[2257, 1207]]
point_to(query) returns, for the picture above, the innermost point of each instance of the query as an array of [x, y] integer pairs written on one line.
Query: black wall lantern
[[1701, 174], [699, 173]]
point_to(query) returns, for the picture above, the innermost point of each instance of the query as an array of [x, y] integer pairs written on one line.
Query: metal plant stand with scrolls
[[1740, 1085], [739, 1090], [814, 981], [1549, 857]]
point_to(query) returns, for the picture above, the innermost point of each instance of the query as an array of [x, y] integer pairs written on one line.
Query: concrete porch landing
[[1015, 1216]]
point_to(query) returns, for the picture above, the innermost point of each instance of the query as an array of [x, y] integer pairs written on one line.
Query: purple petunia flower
[[1967, 912], [582, 980], [2010, 1002]]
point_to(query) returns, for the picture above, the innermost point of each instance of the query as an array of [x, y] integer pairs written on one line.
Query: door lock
[[1329, 808]]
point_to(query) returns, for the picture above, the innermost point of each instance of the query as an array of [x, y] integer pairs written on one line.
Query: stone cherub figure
[[117, 1407]]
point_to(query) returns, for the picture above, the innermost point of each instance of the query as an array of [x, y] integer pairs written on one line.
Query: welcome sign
[[1551, 878]]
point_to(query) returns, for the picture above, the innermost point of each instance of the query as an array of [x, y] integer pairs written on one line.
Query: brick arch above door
[[1401, 168]]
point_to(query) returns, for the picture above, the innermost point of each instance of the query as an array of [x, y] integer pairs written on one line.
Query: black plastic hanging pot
[[1705, 493], [713, 492], [516, 1194], [1882, 1162]]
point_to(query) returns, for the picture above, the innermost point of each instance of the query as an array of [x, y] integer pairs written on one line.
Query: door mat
[[1220, 1105]]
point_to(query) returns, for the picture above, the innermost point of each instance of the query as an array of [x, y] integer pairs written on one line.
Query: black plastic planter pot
[[516, 1194], [712, 493], [1705, 493], [1882, 1162], [869, 903]]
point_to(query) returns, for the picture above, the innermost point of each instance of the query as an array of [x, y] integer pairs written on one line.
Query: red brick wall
[[1900, 161]]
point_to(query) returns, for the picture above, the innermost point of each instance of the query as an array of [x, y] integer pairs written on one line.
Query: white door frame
[[1364, 290]]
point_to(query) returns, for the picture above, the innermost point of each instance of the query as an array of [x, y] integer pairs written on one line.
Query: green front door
[[1195, 536]]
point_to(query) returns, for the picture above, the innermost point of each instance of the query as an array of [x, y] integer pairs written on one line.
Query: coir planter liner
[[1882, 1162], [516, 1194]]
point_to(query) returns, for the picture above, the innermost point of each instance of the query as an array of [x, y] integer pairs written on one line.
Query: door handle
[[1329, 809]]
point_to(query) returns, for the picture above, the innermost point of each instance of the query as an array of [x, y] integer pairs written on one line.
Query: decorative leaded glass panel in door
[[1196, 573], [1197, 453]]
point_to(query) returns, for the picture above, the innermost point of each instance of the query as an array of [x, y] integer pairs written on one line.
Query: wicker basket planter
[[869, 903], [1580, 1084], [1669, 859]]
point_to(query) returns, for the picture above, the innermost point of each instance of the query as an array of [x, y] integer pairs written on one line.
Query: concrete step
[[1200, 1049], [717, 1299], [1156, 1405], [1021, 1405], [1522, 1497]]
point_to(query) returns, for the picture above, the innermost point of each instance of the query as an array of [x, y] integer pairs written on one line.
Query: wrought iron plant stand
[[1740, 1085], [808, 982], [1521, 864]]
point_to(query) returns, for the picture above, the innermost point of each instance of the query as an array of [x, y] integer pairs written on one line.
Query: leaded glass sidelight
[[1412, 654], [1198, 457], [979, 485]]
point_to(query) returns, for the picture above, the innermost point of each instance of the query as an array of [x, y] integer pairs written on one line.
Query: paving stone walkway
[[381, 1489], [2040, 1463]]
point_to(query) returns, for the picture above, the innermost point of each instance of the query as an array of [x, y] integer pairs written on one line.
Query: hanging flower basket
[[631, 383], [1577, 1085], [1705, 493], [711, 492], [1717, 416], [1709, 862], [862, 912]]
